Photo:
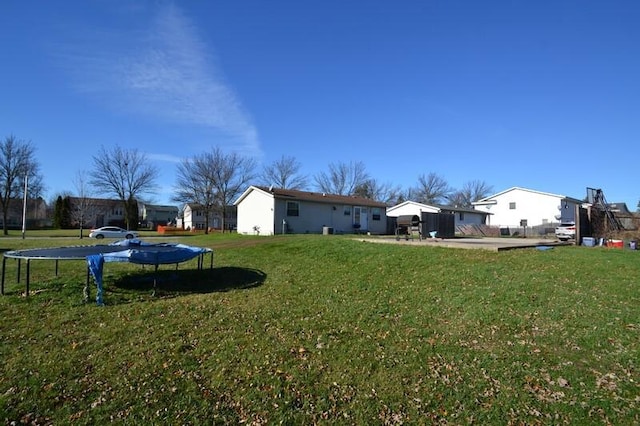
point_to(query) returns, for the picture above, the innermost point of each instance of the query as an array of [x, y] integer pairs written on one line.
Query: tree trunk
[[5, 213], [131, 214]]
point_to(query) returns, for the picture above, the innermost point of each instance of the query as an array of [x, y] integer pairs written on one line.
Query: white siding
[[537, 208], [194, 218], [256, 212]]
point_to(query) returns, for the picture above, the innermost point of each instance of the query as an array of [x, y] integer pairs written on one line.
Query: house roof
[[97, 201], [437, 207], [197, 206], [317, 197], [161, 207], [619, 208], [490, 198]]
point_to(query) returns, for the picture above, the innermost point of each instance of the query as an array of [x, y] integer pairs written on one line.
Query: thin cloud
[[162, 70], [166, 158]]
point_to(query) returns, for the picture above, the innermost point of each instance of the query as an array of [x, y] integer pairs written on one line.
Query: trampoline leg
[[86, 292], [155, 281], [4, 264], [19, 264], [28, 267], [56, 267]]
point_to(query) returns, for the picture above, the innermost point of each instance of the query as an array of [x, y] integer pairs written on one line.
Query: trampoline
[[132, 251]]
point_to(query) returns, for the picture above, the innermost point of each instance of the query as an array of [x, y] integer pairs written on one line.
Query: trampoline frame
[[32, 254]]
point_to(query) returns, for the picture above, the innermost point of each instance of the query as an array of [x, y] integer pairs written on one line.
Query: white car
[[566, 231], [112, 232]]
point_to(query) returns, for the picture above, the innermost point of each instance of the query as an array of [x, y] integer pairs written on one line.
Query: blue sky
[[543, 95]]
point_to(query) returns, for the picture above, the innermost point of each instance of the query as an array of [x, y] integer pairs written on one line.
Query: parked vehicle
[[112, 232], [566, 231]]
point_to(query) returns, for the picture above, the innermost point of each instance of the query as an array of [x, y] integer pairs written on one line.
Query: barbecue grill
[[408, 226]]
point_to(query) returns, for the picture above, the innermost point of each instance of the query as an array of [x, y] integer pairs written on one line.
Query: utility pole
[[24, 205]]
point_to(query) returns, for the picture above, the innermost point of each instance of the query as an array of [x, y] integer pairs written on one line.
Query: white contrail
[[163, 70]]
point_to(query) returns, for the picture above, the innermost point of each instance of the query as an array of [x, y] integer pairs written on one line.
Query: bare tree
[[213, 180], [83, 206], [375, 190], [125, 174], [431, 189], [342, 178], [284, 173], [471, 191], [17, 164]]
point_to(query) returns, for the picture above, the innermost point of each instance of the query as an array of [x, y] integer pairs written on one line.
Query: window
[[347, 210], [512, 206], [375, 213], [293, 208], [461, 215]]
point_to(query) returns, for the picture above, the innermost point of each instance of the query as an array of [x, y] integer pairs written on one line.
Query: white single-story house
[[511, 207], [463, 216], [269, 211]]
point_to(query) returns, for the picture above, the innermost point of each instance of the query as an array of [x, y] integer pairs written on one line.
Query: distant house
[[269, 211], [511, 207], [97, 212], [193, 218], [462, 216], [35, 215], [154, 215]]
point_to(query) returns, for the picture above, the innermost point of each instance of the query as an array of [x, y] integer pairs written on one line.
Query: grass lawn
[[327, 329]]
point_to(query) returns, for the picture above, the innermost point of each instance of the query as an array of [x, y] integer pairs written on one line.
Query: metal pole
[[24, 206], [28, 274]]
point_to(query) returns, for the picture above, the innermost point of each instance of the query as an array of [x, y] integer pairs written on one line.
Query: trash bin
[[327, 230]]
